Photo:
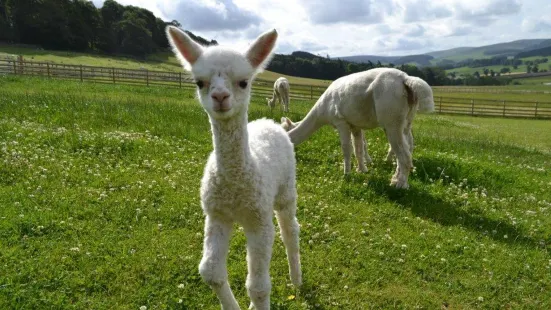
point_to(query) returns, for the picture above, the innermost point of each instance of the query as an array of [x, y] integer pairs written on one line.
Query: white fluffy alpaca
[[250, 173], [380, 97], [281, 93]]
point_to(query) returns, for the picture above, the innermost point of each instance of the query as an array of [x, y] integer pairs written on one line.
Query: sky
[[358, 27]]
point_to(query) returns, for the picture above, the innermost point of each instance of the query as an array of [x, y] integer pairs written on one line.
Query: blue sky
[[356, 27]]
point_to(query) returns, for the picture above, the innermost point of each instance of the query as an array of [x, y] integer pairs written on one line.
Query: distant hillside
[[458, 54], [501, 49], [450, 53], [544, 51], [421, 60]]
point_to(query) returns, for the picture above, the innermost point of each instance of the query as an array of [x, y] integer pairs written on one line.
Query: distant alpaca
[[281, 92], [250, 173], [380, 97]]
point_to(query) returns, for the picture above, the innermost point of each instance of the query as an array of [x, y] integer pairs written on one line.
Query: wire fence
[[264, 88]]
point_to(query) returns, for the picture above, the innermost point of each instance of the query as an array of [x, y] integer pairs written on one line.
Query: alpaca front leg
[[359, 148], [213, 268], [344, 133], [368, 159], [389, 154], [260, 240]]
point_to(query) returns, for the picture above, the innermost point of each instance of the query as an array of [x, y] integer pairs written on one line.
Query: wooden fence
[[114, 75], [443, 104], [492, 107]]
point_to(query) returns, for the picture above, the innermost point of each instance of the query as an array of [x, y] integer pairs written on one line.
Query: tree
[[136, 38], [535, 69], [486, 71], [528, 69], [505, 70], [476, 74], [5, 26]]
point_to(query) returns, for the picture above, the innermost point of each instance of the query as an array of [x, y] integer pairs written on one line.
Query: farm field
[[507, 96], [158, 61], [99, 187]]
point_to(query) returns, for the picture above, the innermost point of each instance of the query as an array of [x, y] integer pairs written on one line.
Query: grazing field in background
[[99, 188], [159, 61]]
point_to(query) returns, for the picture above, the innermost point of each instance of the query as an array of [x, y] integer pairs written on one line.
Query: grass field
[[100, 209], [159, 61]]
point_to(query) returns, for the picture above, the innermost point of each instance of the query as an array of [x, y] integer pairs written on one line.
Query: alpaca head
[[287, 124], [223, 76]]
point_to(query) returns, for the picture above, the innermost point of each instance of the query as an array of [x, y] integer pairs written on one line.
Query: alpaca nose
[[220, 96]]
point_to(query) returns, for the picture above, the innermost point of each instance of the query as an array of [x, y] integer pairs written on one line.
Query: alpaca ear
[[260, 51], [187, 50], [286, 120]]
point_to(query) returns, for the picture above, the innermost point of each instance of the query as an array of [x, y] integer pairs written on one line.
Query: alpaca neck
[[231, 142], [310, 124]]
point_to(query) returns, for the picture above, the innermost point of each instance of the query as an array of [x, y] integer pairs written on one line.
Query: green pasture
[[99, 188]]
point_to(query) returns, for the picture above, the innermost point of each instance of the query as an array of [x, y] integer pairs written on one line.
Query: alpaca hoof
[[368, 160], [401, 184], [361, 170]]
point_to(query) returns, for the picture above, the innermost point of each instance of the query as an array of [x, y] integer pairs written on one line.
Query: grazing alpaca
[[380, 97], [249, 174], [281, 93]]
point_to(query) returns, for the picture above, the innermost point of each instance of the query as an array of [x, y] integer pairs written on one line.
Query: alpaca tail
[[419, 93]]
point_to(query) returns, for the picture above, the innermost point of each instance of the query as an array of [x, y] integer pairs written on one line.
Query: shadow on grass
[[446, 213]]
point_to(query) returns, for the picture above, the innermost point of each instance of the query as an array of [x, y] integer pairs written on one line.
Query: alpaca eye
[[243, 84], [200, 84]]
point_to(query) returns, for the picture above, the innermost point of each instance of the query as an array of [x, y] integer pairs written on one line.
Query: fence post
[[472, 107], [147, 77], [81, 73], [503, 108], [536, 112], [440, 103], [48, 68], [180, 77], [14, 67], [311, 92], [113, 71]]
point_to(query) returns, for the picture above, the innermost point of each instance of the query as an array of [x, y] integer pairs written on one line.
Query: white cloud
[[349, 27]]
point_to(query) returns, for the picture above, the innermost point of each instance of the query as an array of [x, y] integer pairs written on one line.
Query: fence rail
[[443, 104]]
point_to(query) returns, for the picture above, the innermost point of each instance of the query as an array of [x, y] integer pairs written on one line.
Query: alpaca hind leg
[[403, 157], [359, 149], [290, 230], [409, 136], [344, 134], [213, 268], [260, 240]]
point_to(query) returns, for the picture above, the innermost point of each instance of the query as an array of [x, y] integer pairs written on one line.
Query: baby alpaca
[[249, 175], [380, 97], [281, 92]]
